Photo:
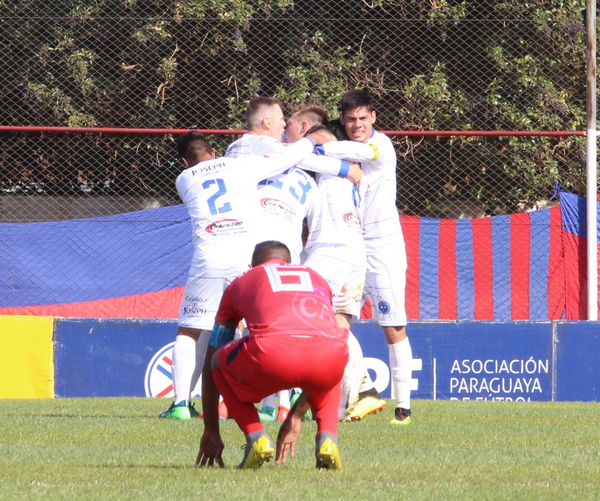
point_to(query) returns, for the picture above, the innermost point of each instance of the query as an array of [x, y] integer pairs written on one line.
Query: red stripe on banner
[[556, 268], [410, 230], [165, 391], [447, 270], [520, 251], [575, 252], [483, 275], [162, 304]]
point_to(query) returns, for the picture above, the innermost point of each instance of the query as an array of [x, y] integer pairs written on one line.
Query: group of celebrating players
[[336, 180]]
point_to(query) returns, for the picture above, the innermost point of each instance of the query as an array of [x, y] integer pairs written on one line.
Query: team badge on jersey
[[384, 307]]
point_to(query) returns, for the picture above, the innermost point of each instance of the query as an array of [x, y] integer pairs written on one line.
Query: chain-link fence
[[445, 66]]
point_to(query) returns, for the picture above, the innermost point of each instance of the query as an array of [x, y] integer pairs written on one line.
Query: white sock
[[201, 347], [269, 401], [353, 376], [184, 362], [401, 365], [284, 398]]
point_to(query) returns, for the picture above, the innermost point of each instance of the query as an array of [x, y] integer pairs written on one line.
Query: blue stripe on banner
[[465, 270], [501, 266], [167, 373], [429, 289], [539, 262]]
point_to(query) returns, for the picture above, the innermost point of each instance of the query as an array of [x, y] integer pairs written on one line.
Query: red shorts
[[258, 366]]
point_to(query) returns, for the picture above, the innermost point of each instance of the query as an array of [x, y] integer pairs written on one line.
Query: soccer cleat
[[261, 451], [328, 457], [366, 406], [401, 417], [267, 413], [180, 410], [282, 413], [193, 412]]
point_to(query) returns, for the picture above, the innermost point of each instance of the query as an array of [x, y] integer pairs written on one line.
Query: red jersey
[[279, 298]]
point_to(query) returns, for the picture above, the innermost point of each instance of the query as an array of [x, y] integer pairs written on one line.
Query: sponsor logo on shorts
[[352, 219], [226, 227], [277, 207], [195, 299], [194, 310], [384, 307]]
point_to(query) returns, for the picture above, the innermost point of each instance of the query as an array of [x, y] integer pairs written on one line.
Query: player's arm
[[290, 430], [333, 167], [351, 150], [211, 444]]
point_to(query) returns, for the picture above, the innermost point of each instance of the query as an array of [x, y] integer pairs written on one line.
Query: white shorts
[[385, 285], [345, 277], [209, 277]]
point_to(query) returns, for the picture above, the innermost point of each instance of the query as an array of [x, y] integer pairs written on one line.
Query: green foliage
[[443, 65]]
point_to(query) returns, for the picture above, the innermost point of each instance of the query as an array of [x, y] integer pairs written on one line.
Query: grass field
[[119, 449]]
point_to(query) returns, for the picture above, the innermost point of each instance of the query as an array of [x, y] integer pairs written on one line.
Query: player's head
[[265, 116], [357, 114], [302, 119], [193, 148], [324, 131], [271, 249], [338, 130]]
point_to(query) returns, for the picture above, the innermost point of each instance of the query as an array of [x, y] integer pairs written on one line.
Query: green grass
[[118, 449]]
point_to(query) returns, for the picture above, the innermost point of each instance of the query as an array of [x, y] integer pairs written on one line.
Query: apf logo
[[381, 375], [158, 381]]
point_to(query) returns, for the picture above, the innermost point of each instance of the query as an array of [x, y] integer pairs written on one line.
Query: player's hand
[[319, 138], [211, 448], [355, 174], [287, 438]]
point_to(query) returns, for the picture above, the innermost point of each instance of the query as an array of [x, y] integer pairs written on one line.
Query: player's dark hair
[[192, 146], [312, 113], [271, 249], [256, 106], [355, 99], [320, 128], [338, 129]]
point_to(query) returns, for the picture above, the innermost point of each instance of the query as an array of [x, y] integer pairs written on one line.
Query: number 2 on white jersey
[[283, 279], [221, 190]]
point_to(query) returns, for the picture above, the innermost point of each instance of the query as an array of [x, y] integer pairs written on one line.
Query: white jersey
[[339, 221], [285, 201], [221, 198], [377, 156], [253, 144], [335, 248]]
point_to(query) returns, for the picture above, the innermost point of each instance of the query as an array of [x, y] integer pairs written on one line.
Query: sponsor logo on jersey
[[352, 219], [226, 227], [277, 207], [384, 307]]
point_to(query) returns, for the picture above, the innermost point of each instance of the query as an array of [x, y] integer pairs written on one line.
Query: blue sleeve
[[221, 335], [344, 169]]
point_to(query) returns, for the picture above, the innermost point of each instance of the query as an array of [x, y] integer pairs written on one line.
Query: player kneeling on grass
[[293, 341]]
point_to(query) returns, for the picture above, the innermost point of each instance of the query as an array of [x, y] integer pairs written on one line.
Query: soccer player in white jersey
[[266, 125], [285, 200], [386, 254], [220, 197], [336, 250]]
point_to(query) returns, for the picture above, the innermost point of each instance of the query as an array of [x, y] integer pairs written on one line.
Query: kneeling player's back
[[281, 299]]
